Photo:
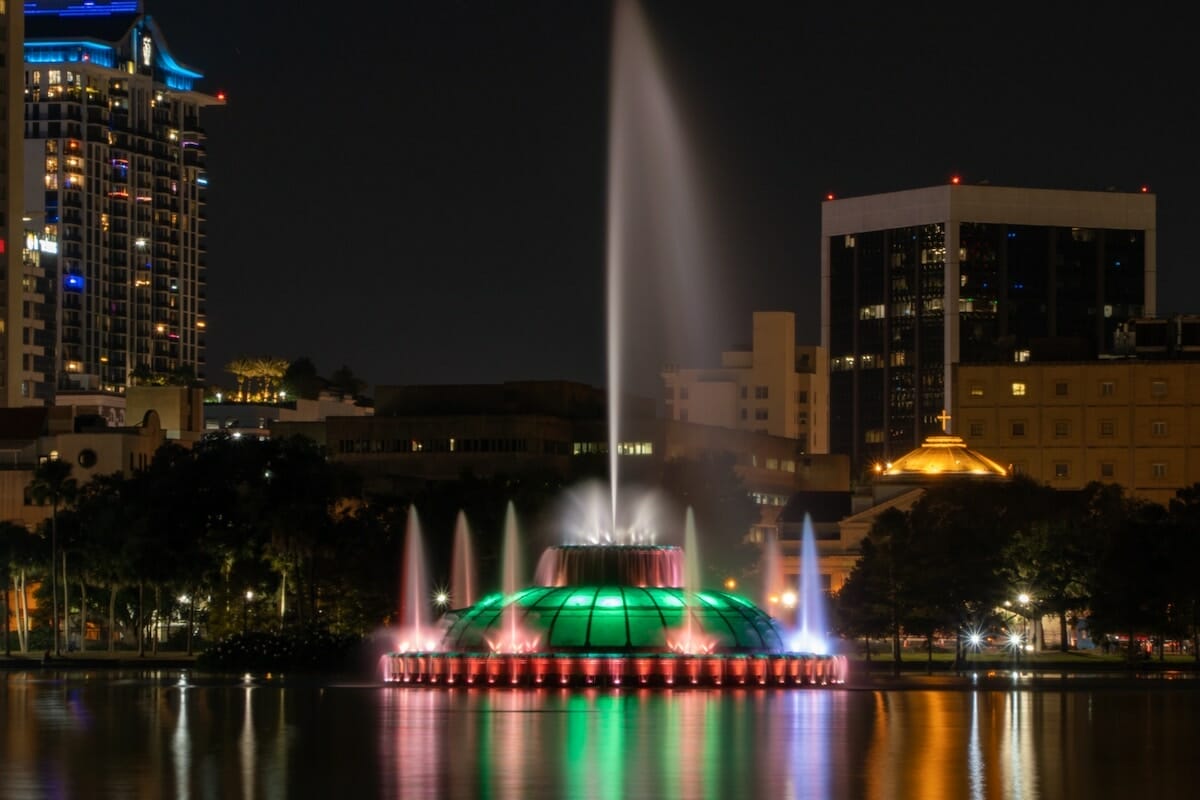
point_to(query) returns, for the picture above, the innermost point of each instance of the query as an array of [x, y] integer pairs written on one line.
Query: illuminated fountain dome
[[613, 614]]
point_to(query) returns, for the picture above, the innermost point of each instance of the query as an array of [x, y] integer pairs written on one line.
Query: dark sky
[[417, 189]]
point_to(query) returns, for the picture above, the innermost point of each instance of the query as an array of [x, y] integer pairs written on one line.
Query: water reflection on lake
[[112, 734]]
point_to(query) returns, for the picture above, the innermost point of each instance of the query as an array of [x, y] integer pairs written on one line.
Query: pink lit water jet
[[462, 575], [415, 631]]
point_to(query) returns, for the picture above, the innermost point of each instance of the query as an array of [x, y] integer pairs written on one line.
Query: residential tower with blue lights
[[115, 192]]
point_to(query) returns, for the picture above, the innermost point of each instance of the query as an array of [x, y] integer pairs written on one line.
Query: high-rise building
[[114, 196], [916, 281], [11, 203]]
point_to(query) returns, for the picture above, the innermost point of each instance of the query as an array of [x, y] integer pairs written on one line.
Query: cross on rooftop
[[944, 418]]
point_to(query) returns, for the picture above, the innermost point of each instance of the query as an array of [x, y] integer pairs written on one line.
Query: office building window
[[1158, 427], [1158, 389], [760, 392], [1108, 428], [1107, 469], [1107, 388], [1018, 429], [1062, 428], [1062, 469], [1018, 389], [976, 390], [760, 413], [683, 393], [976, 430], [1158, 469], [1060, 388]]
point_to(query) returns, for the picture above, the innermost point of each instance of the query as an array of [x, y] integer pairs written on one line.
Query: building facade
[[914, 282], [12, 154], [1134, 422], [115, 192], [775, 387]]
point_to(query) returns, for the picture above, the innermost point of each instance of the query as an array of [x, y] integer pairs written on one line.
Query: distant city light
[[789, 599], [829, 196], [955, 180]]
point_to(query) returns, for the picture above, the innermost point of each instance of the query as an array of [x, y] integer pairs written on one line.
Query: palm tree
[[52, 482], [241, 368], [12, 543]]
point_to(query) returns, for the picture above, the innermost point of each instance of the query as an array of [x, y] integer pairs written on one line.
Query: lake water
[[178, 734]]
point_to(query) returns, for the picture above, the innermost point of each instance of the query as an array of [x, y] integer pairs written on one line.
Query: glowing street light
[[789, 599], [730, 584]]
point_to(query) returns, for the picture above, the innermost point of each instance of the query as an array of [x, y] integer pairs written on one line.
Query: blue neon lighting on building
[[203, 181], [86, 8], [73, 283], [50, 52]]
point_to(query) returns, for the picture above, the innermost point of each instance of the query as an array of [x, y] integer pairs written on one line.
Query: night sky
[[417, 190]]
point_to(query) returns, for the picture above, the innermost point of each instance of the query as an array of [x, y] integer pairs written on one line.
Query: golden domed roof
[[940, 457]]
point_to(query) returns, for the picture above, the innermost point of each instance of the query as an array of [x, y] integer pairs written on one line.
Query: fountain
[[415, 631], [811, 631], [613, 605], [612, 614], [462, 574]]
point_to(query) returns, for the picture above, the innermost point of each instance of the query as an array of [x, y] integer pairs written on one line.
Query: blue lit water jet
[[811, 629]]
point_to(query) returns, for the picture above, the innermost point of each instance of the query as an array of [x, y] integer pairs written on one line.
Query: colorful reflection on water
[[179, 735]]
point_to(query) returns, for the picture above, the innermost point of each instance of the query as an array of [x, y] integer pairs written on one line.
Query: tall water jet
[[414, 586], [653, 222], [691, 640], [772, 575], [462, 572], [810, 628]]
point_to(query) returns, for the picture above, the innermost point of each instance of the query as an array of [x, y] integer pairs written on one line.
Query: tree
[[15, 555], [344, 380], [725, 512], [301, 379], [53, 484]]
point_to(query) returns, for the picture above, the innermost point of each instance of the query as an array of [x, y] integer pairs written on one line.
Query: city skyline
[[437, 176]]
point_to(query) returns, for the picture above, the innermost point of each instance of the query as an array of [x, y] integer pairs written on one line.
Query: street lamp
[[246, 598]]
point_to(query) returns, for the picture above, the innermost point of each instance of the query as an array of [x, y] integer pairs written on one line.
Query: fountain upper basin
[[628, 565]]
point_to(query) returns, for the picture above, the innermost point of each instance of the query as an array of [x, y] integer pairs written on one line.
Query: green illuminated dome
[[616, 619]]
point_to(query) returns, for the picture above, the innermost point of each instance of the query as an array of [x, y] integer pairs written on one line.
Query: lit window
[[874, 436], [976, 390], [772, 463], [1021, 356], [1018, 389]]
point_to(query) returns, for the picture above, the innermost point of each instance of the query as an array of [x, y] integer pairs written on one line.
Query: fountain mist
[[653, 226], [462, 574], [772, 574]]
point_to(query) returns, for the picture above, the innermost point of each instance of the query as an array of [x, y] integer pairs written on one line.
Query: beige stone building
[[775, 387], [1135, 422]]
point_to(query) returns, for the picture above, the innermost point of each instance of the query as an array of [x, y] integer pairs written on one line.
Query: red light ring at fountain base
[[613, 669]]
